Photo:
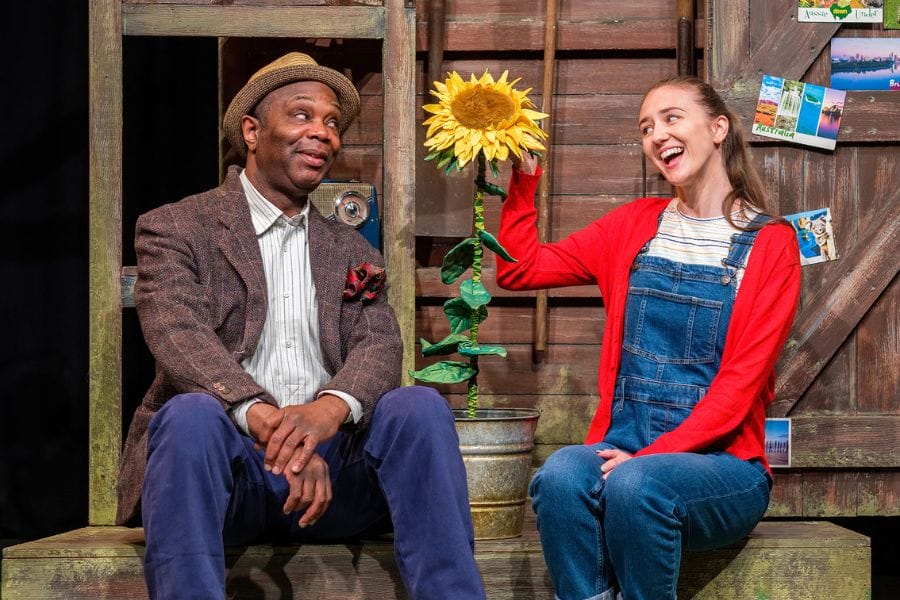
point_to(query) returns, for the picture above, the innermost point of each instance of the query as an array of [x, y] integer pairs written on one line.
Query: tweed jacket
[[201, 300]]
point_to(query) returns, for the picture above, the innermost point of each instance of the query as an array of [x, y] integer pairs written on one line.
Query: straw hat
[[291, 67]]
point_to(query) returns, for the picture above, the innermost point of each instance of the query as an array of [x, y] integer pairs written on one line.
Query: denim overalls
[[676, 318], [631, 527]]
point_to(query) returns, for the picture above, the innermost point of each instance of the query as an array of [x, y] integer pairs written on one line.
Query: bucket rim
[[496, 414]]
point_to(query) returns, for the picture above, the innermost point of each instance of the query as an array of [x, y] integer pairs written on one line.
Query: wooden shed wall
[[845, 424]]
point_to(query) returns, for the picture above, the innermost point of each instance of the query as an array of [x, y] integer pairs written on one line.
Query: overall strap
[[742, 242]]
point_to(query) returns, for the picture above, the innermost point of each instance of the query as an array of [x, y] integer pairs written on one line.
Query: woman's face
[[679, 137]]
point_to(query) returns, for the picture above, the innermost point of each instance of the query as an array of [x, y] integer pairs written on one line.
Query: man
[[275, 413]]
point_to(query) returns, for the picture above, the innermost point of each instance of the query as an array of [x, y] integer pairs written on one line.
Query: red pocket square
[[364, 281]]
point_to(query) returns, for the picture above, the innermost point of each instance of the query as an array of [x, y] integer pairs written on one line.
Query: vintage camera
[[353, 203]]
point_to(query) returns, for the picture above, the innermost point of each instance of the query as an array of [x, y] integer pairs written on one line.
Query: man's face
[[293, 141]]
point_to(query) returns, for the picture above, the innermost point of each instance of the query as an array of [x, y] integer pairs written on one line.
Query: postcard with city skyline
[[815, 235], [840, 11], [778, 442], [799, 112], [892, 14], [865, 63]]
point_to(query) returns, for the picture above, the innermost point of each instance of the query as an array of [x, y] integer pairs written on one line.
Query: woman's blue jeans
[[636, 522]]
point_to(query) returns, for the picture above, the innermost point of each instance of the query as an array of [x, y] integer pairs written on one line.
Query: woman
[[700, 292]]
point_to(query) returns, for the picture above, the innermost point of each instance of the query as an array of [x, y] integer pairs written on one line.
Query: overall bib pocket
[[688, 324]]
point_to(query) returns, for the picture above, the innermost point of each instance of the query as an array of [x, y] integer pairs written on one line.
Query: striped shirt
[[288, 359], [694, 240]]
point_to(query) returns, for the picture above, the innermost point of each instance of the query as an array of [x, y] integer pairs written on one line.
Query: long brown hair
[[747, 186]]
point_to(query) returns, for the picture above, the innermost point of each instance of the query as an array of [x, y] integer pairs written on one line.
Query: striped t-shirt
[[694, 240]]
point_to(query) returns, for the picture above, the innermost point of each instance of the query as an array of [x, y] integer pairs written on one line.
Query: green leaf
[[491, 242], [495, 168], [433, 155], [459, 314], [445, 346], [475, 294], [445, 371], [491, 188], [467, 348], [457, 260], [453, 166], [445, 159]]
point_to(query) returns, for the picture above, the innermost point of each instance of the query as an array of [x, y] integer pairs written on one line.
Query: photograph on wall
[[865, 63], [778, 442], [799, 112], [840, 11], [892, 14], [815, 235]]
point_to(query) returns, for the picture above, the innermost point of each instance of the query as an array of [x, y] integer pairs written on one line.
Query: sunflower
[[481, 115]]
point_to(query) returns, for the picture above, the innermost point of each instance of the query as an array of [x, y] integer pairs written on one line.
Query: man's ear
[[720, 127], [250, 131]]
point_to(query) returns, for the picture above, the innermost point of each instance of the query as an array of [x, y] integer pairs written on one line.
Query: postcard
[[799, 112], [840, 11], [778, 442], [892, 14], [815, 235], [865, 63]]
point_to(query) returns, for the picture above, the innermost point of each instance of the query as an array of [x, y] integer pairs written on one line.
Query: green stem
[[478, 255]]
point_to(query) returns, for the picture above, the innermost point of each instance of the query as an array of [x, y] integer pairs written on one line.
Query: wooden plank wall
[[845, 439], [845, 425], [606, 60]]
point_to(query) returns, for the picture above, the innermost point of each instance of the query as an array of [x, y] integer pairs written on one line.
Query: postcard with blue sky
[[778, 442], [799, 112], [840, 11], [865, 63]]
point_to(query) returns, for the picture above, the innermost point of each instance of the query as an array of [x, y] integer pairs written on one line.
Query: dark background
[[170, 151], [170, 141]]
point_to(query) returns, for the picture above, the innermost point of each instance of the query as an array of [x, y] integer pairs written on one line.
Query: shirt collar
[[263, 213]]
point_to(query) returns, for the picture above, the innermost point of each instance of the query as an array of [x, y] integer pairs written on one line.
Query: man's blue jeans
[[205, 487], [595, 532]]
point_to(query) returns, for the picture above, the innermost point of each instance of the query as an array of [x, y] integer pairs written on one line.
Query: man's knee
[[192, 415], [415, 406]]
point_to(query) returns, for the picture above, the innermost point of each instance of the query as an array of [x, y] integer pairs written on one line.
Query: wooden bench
[[781, 560]]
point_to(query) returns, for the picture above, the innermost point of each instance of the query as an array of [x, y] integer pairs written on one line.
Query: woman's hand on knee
[[613, 457]]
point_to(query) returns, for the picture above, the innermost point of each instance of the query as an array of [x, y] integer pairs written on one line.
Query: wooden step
[[781, 560]]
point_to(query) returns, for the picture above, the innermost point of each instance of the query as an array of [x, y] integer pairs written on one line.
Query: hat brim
[[257, 88]]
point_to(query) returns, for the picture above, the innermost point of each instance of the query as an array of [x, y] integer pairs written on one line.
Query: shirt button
[[289, 343], [287, 295]]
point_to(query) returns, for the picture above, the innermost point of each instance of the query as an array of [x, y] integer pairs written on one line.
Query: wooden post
[[543, 218], [436, 17], [105, 258], [399, 233], [684, 52]]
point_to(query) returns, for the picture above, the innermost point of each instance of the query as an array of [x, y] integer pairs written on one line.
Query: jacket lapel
[[238, 244]]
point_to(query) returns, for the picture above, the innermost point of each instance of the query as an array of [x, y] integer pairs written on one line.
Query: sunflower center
[[479, 107]]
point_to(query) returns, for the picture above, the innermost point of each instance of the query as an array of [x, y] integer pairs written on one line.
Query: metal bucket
[[496, 449]]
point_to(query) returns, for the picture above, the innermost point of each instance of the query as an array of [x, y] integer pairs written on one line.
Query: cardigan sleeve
[[761, 320], [562, 263]]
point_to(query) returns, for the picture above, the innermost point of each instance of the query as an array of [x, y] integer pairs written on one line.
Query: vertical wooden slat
[[878, 334], [548, 88], [105, 256], [727, 23], [834, 389], [398, 64]]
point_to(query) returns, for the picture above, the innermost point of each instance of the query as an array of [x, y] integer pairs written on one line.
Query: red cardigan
[[732, 414]]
